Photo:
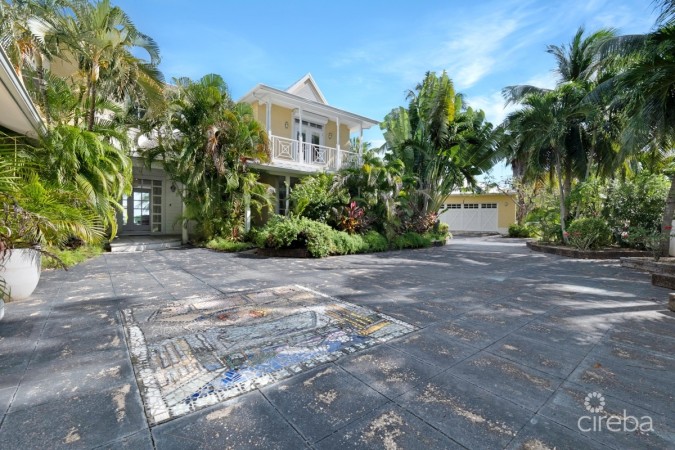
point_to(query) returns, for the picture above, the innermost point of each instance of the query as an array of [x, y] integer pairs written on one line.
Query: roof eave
[[250, 96], [20, 96]]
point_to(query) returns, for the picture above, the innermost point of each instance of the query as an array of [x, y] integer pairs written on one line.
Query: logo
[[594, 402], [602, 420]]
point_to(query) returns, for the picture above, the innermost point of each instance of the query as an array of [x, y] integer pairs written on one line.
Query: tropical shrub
[[546, 222], [636, 203], [411, 240], [519, 231], [375, 242], [351, 218], [68, 257], [645, 239], [589, 233], [315, 197], [298, 232], [227, 245]]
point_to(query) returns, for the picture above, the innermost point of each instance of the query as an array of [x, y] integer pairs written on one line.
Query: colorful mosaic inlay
[[191, 355]]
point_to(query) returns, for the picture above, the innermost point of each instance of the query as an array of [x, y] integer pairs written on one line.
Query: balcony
[[310, 157]]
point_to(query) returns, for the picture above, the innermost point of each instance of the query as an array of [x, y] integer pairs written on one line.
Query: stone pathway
[[507, 346]]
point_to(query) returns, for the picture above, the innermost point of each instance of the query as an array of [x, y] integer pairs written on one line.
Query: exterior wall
[[280, 116], [330, 134], [506, 207], [171, 202], [344, 136]]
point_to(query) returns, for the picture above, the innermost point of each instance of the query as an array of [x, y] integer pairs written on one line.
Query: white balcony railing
[[313, 156]]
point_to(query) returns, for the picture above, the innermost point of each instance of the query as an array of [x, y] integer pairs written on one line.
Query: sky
[[366, 55]]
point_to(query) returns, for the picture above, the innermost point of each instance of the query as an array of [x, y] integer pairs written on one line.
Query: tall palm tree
[[645, 89], [441, 143], [100, 40], [206, 144]]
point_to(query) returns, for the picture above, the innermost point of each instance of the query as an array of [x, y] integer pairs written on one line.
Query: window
[[454, 206], [470, 205], [310, 124], [488, 205]]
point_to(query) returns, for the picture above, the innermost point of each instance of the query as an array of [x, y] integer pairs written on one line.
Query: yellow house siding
[[330, 134], [281, 116], [506, 207], [344, 136]]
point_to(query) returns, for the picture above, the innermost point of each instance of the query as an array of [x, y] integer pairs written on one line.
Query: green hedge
[[321, 240], [226, 245]]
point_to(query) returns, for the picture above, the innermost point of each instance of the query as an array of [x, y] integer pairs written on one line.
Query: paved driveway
[[509, 345]]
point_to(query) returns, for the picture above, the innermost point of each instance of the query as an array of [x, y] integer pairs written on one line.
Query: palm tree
[[100, 39], [645, 90], [206, 144], [441, 143]]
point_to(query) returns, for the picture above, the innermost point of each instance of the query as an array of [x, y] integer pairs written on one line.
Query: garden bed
[[603, 253]]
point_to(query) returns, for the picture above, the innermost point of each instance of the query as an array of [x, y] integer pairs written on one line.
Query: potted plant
[[33, 216]]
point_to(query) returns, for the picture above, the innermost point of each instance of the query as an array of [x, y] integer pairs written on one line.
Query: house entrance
[[143, 208]]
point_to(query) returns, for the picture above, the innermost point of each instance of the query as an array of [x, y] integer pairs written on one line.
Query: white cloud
[[493, 105]]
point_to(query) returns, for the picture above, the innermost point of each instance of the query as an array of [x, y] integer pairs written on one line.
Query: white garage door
[[470, 216]]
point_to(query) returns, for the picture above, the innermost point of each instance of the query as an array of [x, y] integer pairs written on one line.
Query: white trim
[[261, 93], [310, 117], [298, 85], [16, 90]]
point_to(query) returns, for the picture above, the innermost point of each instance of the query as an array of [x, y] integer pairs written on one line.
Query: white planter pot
[[2, 308], [21, 272]]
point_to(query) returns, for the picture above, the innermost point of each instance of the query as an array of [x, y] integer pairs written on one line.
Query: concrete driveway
[[510, 349]]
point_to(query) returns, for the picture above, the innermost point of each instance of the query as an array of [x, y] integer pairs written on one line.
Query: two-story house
[[306, 136]]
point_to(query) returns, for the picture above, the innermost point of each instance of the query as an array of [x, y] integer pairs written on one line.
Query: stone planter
[[21, 272], [671, 302]]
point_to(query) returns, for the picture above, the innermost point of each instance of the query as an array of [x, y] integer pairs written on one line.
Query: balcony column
[[360, 143], [247, 214], [287, 182], [268, 117], [301, 149], [338, 157]]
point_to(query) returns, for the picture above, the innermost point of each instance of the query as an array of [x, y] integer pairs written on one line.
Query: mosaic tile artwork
[[194, 354]]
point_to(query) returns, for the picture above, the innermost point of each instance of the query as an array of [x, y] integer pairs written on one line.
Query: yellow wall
[[506, 207], [281, 116]]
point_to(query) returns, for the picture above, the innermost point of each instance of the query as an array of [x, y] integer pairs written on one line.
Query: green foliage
[[69, 257], [206, 145], [351, 218], [520, 231], [346, 244], [545, 219], [226, 245], [316, 196], [636, 202], [440, 144], [411, 240], [589, 233], [375, 242], [587, 197], [646, 239]]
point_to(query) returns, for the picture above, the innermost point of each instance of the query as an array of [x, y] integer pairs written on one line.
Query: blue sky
[[366, 55]]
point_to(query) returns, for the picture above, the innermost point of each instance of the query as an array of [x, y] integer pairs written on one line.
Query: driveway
[[501, 348]]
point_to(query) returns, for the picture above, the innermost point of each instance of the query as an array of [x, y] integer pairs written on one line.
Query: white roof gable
[[307, 88]]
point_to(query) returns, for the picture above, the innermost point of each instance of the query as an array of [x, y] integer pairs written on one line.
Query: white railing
[[318, 157]]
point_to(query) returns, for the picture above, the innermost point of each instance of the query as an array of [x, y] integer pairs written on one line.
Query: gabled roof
[[305, 94], [17, 111], [307, 88]]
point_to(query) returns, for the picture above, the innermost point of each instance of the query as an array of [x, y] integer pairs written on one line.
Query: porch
[[310, 156]]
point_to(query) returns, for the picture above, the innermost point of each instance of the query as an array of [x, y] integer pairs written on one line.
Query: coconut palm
[[645, 90]]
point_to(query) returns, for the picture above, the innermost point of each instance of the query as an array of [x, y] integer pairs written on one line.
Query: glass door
[[138, 210], [143, 208]]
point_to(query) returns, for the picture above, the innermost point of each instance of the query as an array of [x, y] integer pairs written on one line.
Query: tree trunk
[[563, 209], [92, 106], [667, 221]]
